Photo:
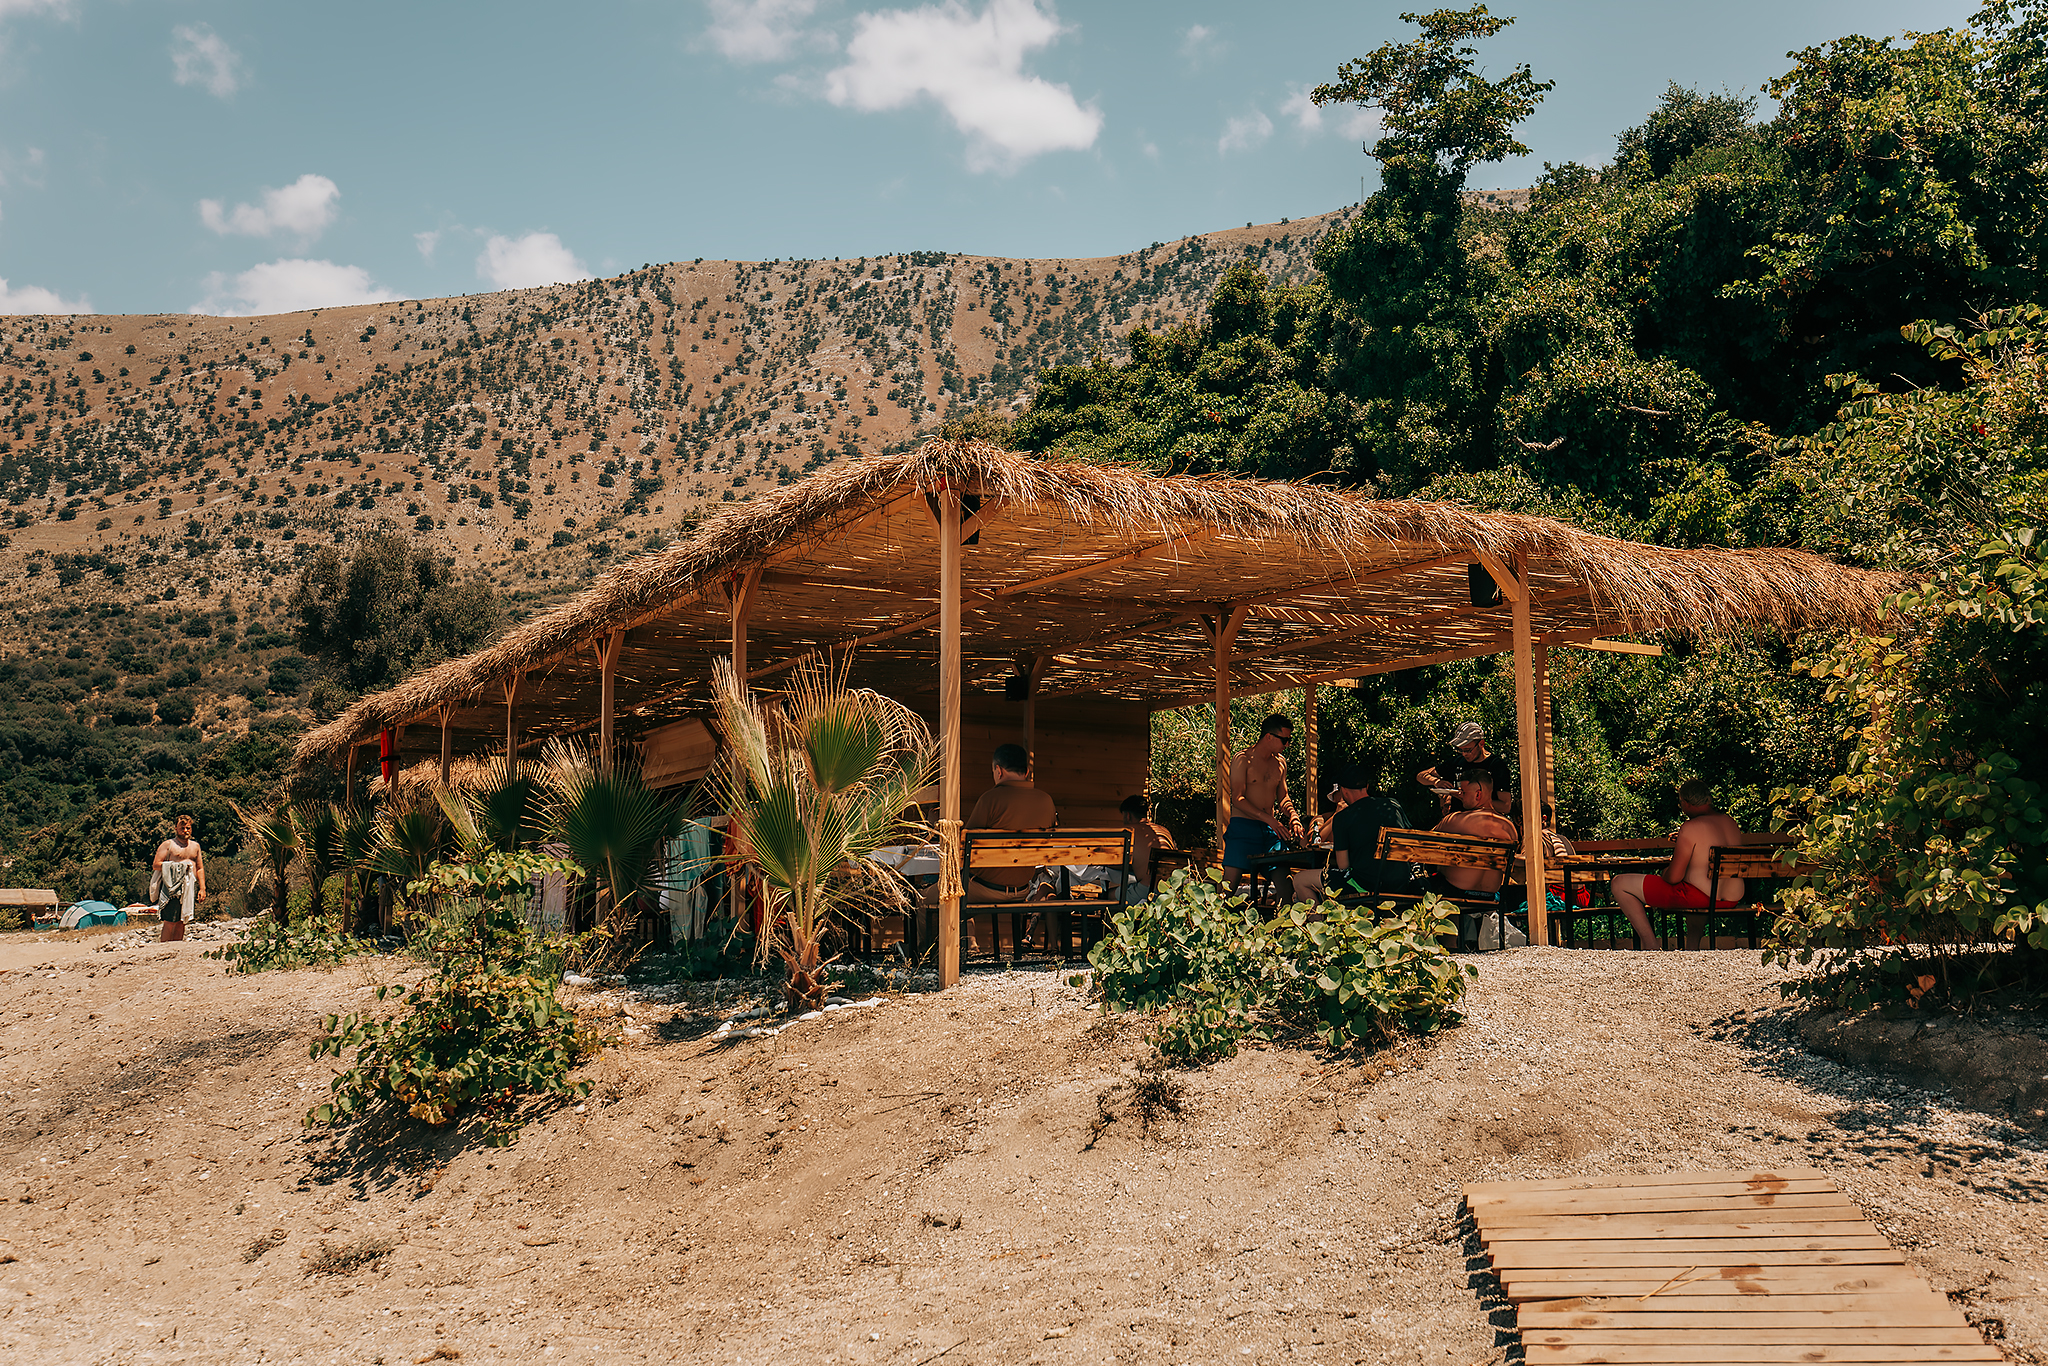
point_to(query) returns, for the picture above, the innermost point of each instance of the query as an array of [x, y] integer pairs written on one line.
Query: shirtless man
[[1261, 813], [1475, 817], [184, 886], [1684, 885]]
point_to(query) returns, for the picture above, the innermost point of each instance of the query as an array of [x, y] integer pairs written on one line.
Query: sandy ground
[[927, 1180]]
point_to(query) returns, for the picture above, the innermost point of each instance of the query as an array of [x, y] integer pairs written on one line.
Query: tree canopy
[[387, 608]]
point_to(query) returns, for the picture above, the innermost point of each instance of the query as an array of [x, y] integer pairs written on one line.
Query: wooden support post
[[511, 686], [1031, 668], [447, 742], [608, 664], [1545, 731], [1222, 629], [1528, 741], [348, 775], [949, 717], [740, 591], [1308, 761]]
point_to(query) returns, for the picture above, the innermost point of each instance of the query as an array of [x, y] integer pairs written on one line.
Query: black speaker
[[1017, 688], [1485, 592]]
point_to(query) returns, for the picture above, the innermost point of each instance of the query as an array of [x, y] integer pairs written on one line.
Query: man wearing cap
[[1468, 750]]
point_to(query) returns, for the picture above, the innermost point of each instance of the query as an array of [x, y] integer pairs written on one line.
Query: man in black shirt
[[1468, 750], [1355, 839]]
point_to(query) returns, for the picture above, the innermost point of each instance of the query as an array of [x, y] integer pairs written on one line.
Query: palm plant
[[275, 838], [613, 825], [813, 790], [355, 845], [319, 827], [407, 843]]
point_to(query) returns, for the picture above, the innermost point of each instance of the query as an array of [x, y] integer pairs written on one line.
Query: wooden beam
[[949, 718], [1344, 581], [1111, 562], [510, 683], [1510, 587], [447, 741], [1530, 744], [1223, 629], [1396, 625], [1031, 665], [608, 665], [1308, 761], [740, 591], [1616, 647], [1545, 734]]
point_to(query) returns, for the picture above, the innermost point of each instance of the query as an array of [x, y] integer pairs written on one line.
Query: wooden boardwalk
[[1697, 1267]]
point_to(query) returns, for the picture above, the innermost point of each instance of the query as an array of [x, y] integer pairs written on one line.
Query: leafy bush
[[272, 945], [1198, 955], [485, 1031], [1934, 842]]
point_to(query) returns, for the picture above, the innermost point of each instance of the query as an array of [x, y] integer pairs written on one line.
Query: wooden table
[[1264, 867], [1592, 868]]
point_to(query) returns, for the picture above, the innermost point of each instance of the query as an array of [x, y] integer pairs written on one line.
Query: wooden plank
[[1684, 1283], [1690, 1248], [1566, 1315], [1523, 1257], [1591, 1203], [1759, 1354], [1563, 1200], [1005, 855], [1756, 1337], [1603, 1182], [1723, 1298], [1664, 1226]]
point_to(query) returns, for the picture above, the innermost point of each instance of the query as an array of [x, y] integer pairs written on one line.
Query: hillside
[[587, 416]]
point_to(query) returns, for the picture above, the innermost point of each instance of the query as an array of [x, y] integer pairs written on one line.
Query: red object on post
[[387, 756]]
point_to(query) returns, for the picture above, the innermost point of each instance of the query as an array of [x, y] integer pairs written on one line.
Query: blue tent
[[93, 913]]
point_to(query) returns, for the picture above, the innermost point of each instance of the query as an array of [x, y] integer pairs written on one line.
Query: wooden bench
[[1753, 862], [1438, 849], [983, 850]]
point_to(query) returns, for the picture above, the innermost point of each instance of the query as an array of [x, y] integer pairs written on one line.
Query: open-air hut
[[1001, 595]]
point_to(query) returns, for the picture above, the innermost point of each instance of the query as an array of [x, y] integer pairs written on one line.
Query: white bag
[[1489, 933]]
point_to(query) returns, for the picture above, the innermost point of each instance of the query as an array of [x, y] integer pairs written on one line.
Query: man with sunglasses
[[1262, 818]]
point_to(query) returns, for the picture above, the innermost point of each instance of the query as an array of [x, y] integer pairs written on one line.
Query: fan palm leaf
[[813, 790], [275, 838]]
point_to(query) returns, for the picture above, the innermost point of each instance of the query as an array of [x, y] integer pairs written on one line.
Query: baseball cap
[[1352, 776], [1470, 733]]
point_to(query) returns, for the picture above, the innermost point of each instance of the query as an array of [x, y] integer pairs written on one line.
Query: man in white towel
[[177, 880]]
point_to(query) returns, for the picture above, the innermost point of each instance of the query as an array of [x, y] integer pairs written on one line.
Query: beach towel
[[172, 887]]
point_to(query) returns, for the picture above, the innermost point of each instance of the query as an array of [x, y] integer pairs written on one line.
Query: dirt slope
[[929, 1176]]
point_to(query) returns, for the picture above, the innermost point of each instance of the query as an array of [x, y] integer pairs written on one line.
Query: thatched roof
[[1106, 570]]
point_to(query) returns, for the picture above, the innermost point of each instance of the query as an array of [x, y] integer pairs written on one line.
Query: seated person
[[1355, 868], [1684, 884], [1012, 804], [1477, 819], [1147, 835], [1261, 813]]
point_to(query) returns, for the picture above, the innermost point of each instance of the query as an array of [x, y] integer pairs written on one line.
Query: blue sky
[[158, 156]]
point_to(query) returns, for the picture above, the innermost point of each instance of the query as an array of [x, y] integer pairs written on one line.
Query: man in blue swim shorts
[[1262, 817]]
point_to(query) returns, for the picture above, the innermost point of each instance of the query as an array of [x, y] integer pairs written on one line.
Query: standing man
[[177, 880], [1467, 750], [1262, 816], [1684, 884]]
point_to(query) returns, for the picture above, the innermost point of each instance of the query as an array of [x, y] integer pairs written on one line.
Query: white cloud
[[34, 298], [757, 30], [972, 65], [1198, 43], [1350, 122], [305, 208], [538, 258], [199, 56], [426, 242], [10, 8], [289, 286], [1243, 133]]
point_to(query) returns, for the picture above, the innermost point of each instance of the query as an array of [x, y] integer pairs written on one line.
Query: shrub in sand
[[1213, 974]]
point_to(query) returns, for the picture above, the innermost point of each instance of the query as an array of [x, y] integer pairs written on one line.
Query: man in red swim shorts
[[1683, 885]]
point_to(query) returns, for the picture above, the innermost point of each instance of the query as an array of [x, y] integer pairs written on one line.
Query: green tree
[[387, 609]]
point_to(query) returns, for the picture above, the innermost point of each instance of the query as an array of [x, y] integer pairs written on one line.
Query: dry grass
[[345, 1259]]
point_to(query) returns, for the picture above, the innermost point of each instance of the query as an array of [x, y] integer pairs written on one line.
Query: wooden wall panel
[[1091, 753]]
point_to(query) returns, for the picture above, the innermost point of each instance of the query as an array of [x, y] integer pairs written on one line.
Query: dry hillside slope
[[580, 419]]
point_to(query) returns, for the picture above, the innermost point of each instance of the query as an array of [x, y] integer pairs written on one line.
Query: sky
[[159, 156]]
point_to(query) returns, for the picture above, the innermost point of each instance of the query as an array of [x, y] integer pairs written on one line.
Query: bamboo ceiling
[[1107, 572]]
